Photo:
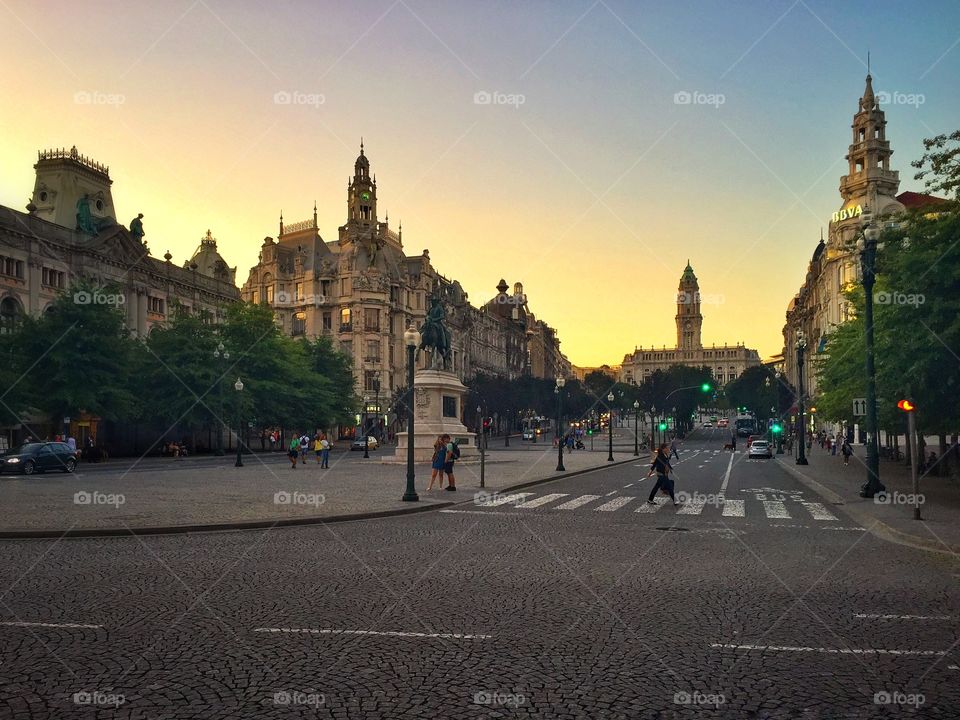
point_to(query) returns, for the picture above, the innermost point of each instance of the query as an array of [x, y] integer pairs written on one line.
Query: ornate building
[[362, 290], [820, 305], [726, 362]]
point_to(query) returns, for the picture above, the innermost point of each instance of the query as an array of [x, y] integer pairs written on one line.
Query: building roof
[[912, 200]]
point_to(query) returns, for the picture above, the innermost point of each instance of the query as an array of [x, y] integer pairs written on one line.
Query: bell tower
[[362, 193], [689, 319], [869, 175]]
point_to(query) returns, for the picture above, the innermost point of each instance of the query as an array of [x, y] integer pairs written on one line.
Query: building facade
[[726, 362], [834, 267], [363, 290]]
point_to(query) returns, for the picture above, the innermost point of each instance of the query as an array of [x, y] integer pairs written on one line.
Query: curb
[[214, 527], [875, 527]]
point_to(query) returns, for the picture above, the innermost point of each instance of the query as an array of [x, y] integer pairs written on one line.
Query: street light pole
[[481, 444], [366, 435], [238, 386], [780, 434], [221, 355], [868, 258], [412, 339], [506, 440], [610, 427], [561, 381], [802, 433], [636, 428]]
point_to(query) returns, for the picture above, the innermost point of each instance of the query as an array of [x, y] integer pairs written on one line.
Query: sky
[[585, 149]]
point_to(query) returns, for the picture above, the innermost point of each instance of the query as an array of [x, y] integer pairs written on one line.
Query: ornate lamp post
[[506, 439], [560, 438], [636, 427], [780, 434], [412, 339], [481, 444], [653, 428], [238, 386], [366, 434], [221, 356], [801, 426], [867, 245], [610, 426]]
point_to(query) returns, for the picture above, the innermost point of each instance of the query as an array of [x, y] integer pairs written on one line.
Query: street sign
[[859, 407]]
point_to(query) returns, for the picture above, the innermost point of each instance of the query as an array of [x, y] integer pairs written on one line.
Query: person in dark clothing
[[661, 465]]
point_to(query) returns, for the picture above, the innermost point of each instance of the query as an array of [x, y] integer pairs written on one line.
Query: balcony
[[346, 327]]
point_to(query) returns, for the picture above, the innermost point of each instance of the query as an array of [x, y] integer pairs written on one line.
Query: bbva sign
[[847, 213]]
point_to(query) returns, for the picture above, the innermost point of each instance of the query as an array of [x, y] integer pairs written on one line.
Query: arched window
[[11, 313]]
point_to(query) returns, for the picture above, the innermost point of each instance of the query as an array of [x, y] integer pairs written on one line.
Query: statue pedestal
[[438, 405]]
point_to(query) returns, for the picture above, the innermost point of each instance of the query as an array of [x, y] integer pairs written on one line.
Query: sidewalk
[[939, 530], [177, 496]]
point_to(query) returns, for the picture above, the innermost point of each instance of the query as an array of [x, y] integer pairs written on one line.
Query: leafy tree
[[940, 165]]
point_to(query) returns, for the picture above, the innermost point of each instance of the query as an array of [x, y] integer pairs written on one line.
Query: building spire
[[361, 144], [281, 222]]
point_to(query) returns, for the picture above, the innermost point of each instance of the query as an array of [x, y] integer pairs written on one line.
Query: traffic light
[[776, 428], [706, 387], [663, 426], [906, 406], [487, 422]]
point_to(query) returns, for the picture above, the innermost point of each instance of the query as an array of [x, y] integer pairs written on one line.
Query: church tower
[[362, 193], [689, 319]]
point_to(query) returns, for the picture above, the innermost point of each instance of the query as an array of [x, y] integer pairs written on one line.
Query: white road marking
[[577, 502], [504, 499], [832, 651], [50, 625], [775, 509], [614, 492], [692, 507], [537, 502], [734, 508], [871, 616], [819, 512], [648, 508], [627, 485], [726, 478], [388, 633], [479, 512], [614, 504]]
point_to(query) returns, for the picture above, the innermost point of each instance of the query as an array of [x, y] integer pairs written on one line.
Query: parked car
[[40, 457], [708, 424], [759, 448], [723, 422], [528, 434], [371, 443]]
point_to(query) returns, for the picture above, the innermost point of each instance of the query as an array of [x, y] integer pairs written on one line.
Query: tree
[[940, 169]]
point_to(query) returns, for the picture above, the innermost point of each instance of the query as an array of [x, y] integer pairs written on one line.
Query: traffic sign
[[859, 407]]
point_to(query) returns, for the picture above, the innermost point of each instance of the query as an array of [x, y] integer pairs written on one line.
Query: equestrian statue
[[435, 337]]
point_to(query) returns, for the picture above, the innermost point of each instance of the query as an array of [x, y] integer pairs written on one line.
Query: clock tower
[[689, 319], [362, 193]]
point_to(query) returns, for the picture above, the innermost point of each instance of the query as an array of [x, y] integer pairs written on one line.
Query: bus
[[536, 426], [746, 425]]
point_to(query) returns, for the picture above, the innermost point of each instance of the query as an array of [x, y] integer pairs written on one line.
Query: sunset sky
[[590, 183]]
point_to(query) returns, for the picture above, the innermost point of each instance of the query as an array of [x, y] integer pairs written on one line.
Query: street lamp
[[560, 439], [653, 428], [238, 386], [221, 355], [780, 434], [480, 442], [867, 245], [801, 428], [412, 339], [636, 427], [506, 440], [610, 426], [366, 435]]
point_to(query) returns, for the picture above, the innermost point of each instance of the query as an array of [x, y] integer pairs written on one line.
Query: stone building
[[726, 362], [70, 232], [362, 290]]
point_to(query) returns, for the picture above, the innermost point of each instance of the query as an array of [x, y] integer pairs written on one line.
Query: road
[[574, 599]]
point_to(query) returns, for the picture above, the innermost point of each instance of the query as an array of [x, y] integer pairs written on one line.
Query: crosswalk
[[692, 506]]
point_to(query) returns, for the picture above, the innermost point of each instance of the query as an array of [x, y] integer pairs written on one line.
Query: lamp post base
[[802, 461], [410, 497]]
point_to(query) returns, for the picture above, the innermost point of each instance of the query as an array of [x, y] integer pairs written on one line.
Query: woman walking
[[661, 465], [293, 452], [437, 463], [324, 452]]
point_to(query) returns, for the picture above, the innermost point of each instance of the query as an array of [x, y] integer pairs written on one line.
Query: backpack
[[456, 451]]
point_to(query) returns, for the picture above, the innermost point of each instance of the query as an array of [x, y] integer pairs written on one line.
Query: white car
[[759, 448], [708, 425]]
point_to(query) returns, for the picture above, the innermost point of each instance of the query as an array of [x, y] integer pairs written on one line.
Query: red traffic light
[[906, 406]]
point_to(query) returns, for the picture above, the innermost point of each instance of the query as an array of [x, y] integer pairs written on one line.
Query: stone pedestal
[[438, 405]]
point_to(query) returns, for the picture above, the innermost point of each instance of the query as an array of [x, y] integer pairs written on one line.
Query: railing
[[346, 327], [72, 154], [298, 226]]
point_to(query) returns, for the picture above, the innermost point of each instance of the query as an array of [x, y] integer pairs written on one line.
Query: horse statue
[[435, 338]]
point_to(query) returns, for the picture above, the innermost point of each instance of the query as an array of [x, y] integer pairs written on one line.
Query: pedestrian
[[88, 451], [661, 465], [673, 447], [294, 452], [846, 451], [733, 441], [324, 452], [72, 443], [304, 446], [452, 455], [317, 448], [437, 462], [273, 440]]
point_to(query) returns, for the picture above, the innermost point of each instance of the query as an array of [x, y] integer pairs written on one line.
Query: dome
[[206, 260]]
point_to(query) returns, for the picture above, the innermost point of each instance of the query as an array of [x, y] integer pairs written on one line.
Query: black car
[[39, 457]]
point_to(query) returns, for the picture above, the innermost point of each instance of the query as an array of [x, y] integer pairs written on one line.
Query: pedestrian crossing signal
[[776, 428], [906, 406], [663, 426]]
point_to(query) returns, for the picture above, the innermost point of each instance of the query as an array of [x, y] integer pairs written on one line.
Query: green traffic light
[[663, 426], [705, 387], [775, 428]]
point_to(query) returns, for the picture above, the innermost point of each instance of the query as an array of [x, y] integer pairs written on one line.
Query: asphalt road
[[753, 599]]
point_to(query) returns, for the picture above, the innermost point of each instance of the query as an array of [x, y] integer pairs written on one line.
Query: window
[[346, 347], [299, 324], [371, 319], [11, 267], [373, 351], [11, 313], [327, 321], [270, 294], [155, 305], [344, 286], [298, 289], [255, 297], [325, 288], [371, 380], [344, 319], [51, 278]]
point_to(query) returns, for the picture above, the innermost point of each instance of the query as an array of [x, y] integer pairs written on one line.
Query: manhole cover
[[674, 529]]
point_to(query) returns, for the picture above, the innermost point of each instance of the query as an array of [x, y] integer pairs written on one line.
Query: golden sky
[[587, 176]]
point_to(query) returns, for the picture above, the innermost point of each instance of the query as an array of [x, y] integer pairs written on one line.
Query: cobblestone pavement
[[753, 599], [198, 491]]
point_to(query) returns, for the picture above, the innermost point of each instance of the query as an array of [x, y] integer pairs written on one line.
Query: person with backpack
[[452, 455], [661, 465], [846, 451], [324, 452], [294, 452], [438, 461]]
